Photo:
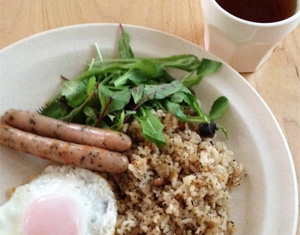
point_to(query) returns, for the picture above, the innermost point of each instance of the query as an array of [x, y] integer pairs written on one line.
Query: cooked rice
[[182, 188]]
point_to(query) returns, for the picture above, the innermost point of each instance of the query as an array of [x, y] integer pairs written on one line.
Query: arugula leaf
[[155, 104], [98, 51], [183, 62], [223, 130], [119, 123], [120, 81], [162, 91], [75, 92], [137, 93], [137, 77], [218, 107], [110, 91], [176, 109], [147, 67], [119, 100], [205, 68], [159, 92], [208, 66], [152, 128], [104, 97], [116, 100], [124, 45], [56, 109], [141, 71], [103, 70], [177, 98], [91, 115], [112, 100], [91, 85], [191, 100], [75, 115]]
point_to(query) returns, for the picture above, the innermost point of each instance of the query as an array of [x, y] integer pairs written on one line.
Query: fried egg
[[63, 200]]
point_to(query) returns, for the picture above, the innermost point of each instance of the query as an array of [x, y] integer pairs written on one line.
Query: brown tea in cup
[[260, 11]]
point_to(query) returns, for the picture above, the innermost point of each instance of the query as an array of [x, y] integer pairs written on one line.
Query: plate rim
[[244, 81]]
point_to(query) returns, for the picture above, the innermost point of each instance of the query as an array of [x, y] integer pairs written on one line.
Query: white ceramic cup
[[243, 44]]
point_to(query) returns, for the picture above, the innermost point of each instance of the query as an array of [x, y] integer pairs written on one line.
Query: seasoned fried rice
[[182, 188]]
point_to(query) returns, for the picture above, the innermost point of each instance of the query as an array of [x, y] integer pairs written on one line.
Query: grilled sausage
[[75, 133], [84, 156]]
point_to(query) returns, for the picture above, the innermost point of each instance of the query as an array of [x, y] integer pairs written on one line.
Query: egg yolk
[[52, 214]]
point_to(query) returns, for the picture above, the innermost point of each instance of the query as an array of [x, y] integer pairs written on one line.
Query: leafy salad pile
[[111, 92]]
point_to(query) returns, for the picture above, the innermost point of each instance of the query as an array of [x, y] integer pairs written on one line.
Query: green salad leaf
[[110, 92], [219, 106], [124, 45], [205, 68], [74, 92], [152, 128]]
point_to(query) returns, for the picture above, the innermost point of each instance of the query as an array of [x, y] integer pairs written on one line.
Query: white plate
[[266, 202]]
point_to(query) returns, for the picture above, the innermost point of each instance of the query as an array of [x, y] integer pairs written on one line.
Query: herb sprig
[[110, 92]]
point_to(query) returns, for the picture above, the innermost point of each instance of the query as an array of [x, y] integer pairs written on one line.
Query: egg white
[[90, 192]]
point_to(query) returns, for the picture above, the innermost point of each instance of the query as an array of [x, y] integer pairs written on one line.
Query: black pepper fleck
[[81, 159], [31, 121]]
